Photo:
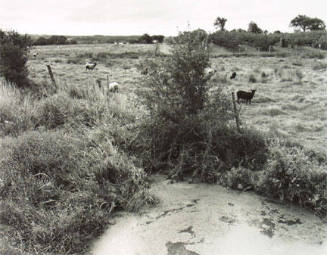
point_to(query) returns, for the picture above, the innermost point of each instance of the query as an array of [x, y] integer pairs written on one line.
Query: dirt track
[[200, 219]]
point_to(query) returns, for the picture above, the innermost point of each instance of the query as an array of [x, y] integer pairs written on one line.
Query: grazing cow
[[113, 86], [233, 75], [90, 66], [247, 96]]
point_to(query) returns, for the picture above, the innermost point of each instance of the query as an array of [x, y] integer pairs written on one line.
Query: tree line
[[302, 22]]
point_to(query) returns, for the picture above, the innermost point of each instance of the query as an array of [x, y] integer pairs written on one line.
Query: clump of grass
[[273, 112], [318, 55], [299, 75], [297, 63], [80, 58], [264, 75], [16, 111], [293, 175], [319, 66], [252, 78], [58, 192]]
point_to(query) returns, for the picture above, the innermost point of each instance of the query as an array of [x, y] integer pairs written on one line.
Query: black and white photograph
[[168, 127]]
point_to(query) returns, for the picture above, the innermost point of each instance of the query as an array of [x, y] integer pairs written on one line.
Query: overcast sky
[[135, 17]]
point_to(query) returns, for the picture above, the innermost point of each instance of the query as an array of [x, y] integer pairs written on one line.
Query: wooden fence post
[[236, 114], [52, 77]]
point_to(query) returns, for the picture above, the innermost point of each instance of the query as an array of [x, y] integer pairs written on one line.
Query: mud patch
[[289, 222], [179, 249], [227, 219], [165, 213], [268, 227], [188, 230]]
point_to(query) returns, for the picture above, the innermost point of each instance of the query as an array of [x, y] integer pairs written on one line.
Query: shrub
[[189, 130], [292, 174], [59, 110], [232, 40], [13, 57], [252, 78], [17, 113]]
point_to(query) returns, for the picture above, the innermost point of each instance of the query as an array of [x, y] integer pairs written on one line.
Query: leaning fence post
[[52, 77], [236, 114]]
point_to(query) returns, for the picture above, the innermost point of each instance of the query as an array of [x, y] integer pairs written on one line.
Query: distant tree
[[41, 41], [158, 38], [13, 57], [57, 40], [316, 24], [220, 22], [306, 23], [72, 41], [301, 21], [253, 28], [145, 39], [239, 30]]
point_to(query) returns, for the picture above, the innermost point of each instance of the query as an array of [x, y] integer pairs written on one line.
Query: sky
[[136, 17]]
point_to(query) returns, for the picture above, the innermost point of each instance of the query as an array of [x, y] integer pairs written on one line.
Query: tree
[[145, 39], [316, 24], [13, 57], [220, 22], [158, 38], [57, 40], [306, 23], [253, 28]]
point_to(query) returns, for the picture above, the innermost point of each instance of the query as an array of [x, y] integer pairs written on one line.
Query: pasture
[[75, 142], [290, 97]]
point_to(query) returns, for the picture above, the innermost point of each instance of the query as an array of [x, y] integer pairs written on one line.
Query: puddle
[[201, 220]]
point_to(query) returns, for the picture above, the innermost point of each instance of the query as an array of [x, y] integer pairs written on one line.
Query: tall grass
[[64, 169]]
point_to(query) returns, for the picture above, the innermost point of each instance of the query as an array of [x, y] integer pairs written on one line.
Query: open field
[[290, 94]]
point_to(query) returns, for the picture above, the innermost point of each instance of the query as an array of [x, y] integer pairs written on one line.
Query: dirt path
[[200, 219]]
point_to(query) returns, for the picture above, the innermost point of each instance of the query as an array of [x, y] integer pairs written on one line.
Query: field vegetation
[[74, 154]]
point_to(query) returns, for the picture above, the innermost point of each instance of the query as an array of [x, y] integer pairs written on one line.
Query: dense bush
[[295, 175], [305, 38], [189, 127], [54, 40], [13, 57], [232, 40]]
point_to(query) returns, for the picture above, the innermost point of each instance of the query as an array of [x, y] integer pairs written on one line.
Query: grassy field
[[66, 158], [290, 94]]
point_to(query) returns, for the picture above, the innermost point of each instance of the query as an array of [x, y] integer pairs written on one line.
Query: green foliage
[[13, 58], [295, 175], [53, 40], [232, 40], [145, 39], [305, 22], [220, 22], [254, 28], [58, 191], [189, 125]]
